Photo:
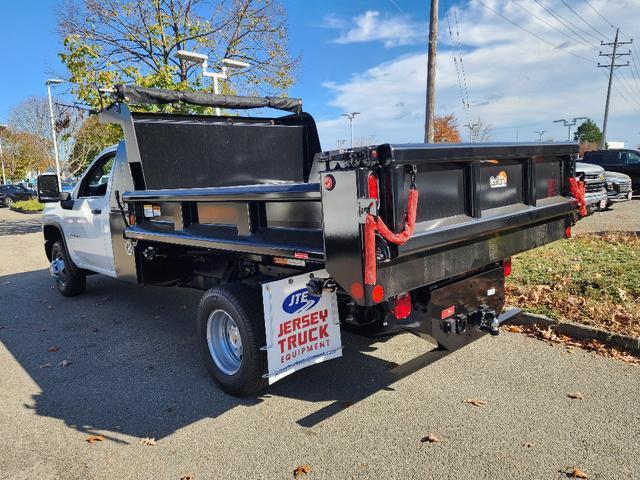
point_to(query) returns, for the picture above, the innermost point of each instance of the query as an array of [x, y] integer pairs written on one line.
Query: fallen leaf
[[50, 307], [514, 329], [187, 477], [64, 363], [147, 441], [575, 395], [53, 349], [45, 365], [575, 472], [95, 438], [431, 438], [476, 402], [527, 445], [301, 470]]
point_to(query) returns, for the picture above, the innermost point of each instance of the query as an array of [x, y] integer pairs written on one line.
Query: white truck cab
[[89, 223]]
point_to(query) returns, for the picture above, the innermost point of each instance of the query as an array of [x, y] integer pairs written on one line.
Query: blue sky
[[368, 56]]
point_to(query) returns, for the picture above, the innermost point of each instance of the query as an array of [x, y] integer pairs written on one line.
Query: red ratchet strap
[[577, 189], [372, 224]]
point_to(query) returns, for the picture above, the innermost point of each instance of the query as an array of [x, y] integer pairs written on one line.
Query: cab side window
[[95, 183]]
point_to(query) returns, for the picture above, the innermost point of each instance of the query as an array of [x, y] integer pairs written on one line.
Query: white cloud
[[391, 30], [514, 79]]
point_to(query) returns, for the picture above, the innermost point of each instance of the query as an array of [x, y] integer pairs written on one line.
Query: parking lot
[[132, 373]]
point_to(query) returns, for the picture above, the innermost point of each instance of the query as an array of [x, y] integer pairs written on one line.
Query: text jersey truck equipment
[[291, 243]]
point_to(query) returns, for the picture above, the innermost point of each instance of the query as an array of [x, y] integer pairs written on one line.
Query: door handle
[[96, 212]]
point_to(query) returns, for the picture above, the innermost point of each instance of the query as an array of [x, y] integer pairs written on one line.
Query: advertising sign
[[301, 329]]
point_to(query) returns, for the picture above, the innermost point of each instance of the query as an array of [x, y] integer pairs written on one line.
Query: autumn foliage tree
[[446, 129], [135, 41]]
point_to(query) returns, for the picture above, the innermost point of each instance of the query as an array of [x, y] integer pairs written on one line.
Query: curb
[[581, 332], [26, 212]]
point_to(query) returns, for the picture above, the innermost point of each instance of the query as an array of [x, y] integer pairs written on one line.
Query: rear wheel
[[8, 202], [230, 328], [69, 280]]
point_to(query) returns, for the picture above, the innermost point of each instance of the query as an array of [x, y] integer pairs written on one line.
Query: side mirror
[[66, 201], [48, 188]]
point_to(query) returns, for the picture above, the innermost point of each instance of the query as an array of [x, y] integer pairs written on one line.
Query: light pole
[[569, 123], [4, 179], [48, 83], [472, 127], [203, 61], [540, 132], [351, 116]]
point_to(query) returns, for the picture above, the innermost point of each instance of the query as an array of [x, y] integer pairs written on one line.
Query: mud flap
[[301, 329]]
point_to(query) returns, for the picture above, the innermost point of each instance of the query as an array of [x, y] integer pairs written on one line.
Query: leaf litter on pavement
[[575, 472], [301, 470], [549, 335], [94, 438], [476, 402]]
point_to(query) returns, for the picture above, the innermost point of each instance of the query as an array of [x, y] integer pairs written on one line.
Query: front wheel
[[69, 280], [230, 329]]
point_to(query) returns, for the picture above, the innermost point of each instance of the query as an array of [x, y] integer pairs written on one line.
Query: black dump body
[[258, 188]]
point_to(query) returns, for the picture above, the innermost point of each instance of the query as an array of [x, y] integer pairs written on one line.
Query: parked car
[[9, 194], [67, 186], [618, 160], [618, 187], [594, 183]]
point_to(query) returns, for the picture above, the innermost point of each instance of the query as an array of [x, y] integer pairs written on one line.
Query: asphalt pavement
[[133, 373]]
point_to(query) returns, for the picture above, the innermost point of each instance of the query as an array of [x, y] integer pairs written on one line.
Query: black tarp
[[161, 96]]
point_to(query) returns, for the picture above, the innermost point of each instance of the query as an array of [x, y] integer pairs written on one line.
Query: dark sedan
[[9, 194]]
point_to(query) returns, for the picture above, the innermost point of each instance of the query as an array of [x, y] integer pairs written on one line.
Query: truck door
[[87, 226]]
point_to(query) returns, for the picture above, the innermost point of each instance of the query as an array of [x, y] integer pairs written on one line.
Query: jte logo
[[499, 180], [299, 301]]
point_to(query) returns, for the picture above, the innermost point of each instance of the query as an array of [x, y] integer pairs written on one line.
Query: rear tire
[[230, 330], [8, 202], [69, 280]]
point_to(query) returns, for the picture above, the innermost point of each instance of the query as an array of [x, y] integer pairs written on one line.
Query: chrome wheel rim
[[224, 341], [57, 270]]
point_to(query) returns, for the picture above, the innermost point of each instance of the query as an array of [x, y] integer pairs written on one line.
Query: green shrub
[[32, 205]]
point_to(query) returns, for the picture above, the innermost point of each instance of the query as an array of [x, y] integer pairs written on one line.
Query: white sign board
[[301, 329]]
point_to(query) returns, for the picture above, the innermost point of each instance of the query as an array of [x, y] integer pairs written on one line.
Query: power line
[[601, 16], [534, 34], [566, 23], [464, 75], [537, 17], [628, 88], [583, 19], [455, 62]]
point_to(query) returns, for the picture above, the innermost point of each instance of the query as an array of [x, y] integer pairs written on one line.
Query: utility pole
[[540, 132], [431, 73], [472, 127], [612, 66], [351, 116], [569, 123]]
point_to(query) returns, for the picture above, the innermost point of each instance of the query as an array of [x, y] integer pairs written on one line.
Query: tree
[[482, 131], [446, 129], [22, 152], [135, 41], [91, 138], [588, 132], [32, 117]]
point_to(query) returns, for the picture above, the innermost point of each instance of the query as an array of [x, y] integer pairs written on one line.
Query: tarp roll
[[161, 96]]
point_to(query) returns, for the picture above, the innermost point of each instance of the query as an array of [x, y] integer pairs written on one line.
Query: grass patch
[[589, 279], [32, 205]]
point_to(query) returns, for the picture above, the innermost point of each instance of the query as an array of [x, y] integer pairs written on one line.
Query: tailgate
[[478, 204]]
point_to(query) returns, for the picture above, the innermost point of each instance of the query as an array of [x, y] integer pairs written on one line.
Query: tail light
[[373, 185], [567, 232], [132, 219], [506, 266], [402, 306]]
